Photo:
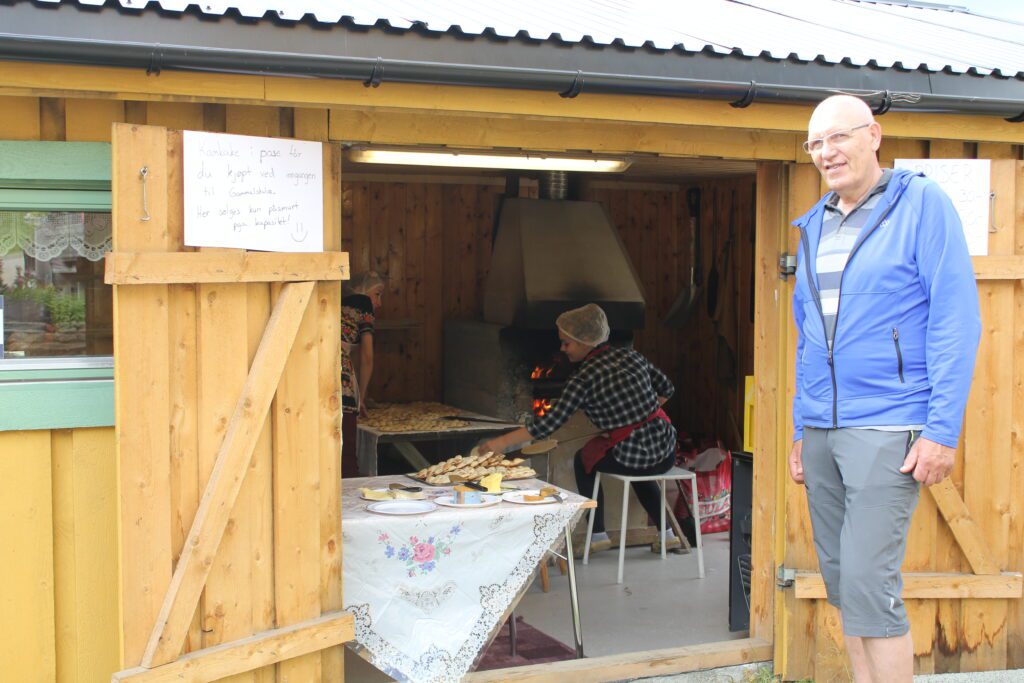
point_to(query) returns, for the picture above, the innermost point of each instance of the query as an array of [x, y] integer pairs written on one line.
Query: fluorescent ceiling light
[[525, 162]]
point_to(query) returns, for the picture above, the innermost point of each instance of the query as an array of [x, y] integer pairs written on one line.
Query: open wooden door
[[962, 576], [228, 438]]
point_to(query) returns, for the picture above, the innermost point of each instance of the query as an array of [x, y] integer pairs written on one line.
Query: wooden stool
[[674, 474], [545, 578]]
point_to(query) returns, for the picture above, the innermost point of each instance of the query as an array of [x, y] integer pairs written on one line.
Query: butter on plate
[[387, 494], [492, 482]]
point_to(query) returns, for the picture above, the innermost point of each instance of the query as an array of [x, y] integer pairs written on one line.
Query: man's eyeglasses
[[837, 138]]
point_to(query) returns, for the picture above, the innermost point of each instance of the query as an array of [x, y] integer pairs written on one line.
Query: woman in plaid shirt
[[621, 392]]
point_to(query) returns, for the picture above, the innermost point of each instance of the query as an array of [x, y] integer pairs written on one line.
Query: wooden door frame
[[771, 315], [771, 312]]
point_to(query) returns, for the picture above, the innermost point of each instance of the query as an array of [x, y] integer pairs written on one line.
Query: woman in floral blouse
[[361, 300]]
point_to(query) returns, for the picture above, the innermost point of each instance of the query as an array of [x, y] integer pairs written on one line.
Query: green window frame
[[55, 393]]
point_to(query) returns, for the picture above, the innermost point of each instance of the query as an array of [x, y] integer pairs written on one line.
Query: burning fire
[[541, 406], [540, 372]]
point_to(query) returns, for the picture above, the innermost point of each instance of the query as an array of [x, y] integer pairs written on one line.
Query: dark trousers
[[647, 491], [349, 463]]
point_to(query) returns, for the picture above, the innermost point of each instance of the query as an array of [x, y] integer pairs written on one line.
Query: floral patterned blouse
[[356, 320]]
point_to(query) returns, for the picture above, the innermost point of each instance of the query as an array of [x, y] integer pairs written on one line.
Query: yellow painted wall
[[58, 558]]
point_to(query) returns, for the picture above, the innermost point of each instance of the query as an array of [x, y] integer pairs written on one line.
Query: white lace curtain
[[46, 235]]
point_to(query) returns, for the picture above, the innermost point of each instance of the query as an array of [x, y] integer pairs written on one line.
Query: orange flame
[[542, 371], [541, 406]]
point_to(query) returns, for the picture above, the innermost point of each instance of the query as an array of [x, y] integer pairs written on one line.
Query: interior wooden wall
[[432, 240]]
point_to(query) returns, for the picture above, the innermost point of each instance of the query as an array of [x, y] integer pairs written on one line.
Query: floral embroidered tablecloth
[[429, 591]]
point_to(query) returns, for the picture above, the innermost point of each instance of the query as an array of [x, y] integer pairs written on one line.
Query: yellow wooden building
[[97, 495]]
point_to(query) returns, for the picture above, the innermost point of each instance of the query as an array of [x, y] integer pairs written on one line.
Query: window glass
[[51, 279]]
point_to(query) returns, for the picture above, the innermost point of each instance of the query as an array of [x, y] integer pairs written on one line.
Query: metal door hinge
[[785, 577], [787, 265]]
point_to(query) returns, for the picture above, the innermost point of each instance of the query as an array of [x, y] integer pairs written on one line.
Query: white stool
[[674, 474]]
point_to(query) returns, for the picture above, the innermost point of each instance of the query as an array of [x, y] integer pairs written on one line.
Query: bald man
[[887, 313]]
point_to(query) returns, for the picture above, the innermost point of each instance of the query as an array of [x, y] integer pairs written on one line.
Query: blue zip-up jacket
[[908, 323]]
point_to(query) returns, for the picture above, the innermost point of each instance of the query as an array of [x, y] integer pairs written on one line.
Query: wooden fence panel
[[987, 425], [770, 386], [972, 522], [183, 362], [1015, 554], [328, 304], [805, 645]]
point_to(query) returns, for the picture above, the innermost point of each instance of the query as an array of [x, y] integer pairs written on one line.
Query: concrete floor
[[660, 604]]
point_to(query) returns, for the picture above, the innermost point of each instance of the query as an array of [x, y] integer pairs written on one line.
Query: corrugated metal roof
[[856, 32]]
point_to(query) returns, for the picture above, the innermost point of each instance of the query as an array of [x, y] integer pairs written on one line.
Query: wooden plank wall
[[949, 635], [58, 505], [433, 242]]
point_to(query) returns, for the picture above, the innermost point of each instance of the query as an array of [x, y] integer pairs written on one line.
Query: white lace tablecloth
[[430, 591]]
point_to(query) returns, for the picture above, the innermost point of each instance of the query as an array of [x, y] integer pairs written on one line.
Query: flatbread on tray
[[473, 467]]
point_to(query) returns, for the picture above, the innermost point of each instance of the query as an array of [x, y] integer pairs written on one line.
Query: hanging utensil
[[712, 288], [725, 356], [753, 254], [684, 304]]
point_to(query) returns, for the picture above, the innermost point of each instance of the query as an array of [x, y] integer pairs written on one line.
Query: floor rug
[[532, 647]]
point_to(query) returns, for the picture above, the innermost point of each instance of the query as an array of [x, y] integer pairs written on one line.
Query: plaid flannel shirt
[[616, 387]]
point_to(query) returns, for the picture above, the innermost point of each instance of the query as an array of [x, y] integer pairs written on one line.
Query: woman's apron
[[597, 448]]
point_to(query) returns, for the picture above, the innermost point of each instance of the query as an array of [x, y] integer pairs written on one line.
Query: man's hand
[[796, 462], [929, 461]]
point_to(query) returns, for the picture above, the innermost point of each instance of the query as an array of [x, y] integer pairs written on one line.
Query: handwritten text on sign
[[253, 193], [966, 181]]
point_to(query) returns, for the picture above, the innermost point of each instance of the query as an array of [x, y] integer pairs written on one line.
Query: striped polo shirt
[[839, 232]]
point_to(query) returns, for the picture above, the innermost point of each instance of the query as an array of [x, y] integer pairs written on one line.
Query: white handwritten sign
[[967, 183], [253, 193]]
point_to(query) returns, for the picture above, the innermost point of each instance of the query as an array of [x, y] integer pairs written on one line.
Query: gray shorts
[[860, 507]]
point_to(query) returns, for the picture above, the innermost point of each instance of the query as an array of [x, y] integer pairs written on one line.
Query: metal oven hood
[[553, 255]]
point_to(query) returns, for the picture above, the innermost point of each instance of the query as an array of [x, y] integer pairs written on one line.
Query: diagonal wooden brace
[[258, 650], [964, 528], [230, 467]]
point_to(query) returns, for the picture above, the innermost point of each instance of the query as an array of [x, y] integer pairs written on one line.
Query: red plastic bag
[[714, 488]]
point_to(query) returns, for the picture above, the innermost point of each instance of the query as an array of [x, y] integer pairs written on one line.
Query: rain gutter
[[567, 83]]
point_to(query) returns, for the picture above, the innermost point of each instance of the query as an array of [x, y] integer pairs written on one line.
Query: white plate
[[487, 501], [418, 496], [518, 497], [401, 507]]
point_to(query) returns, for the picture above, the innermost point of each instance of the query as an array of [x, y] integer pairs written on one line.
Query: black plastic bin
[[741, 499]]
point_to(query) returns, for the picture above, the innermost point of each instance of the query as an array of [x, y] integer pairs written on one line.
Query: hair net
[[363, 282], [587, 325]]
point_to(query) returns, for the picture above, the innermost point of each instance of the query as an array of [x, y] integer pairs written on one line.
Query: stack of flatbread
[[471, 468], [419, 416]]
